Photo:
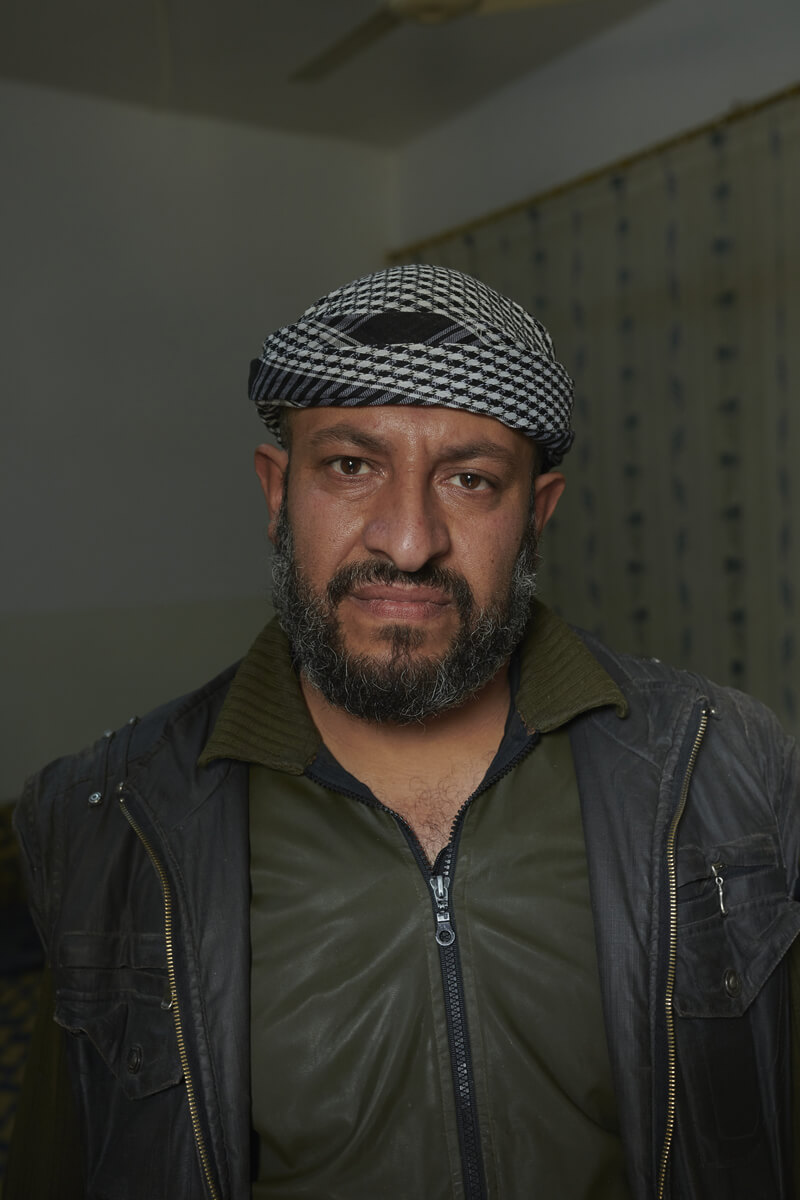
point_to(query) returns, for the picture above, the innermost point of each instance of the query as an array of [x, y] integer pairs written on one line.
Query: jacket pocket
[[112, 997], [735, 926], [735, 923]]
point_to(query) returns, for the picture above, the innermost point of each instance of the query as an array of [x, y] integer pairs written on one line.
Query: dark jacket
[[132, 840]]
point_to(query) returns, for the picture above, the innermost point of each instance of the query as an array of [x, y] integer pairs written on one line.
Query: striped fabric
[[419, 335]]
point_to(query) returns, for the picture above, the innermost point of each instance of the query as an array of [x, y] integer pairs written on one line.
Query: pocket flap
[[133, 1034], [111, 950], [722, 962], [752, 853]]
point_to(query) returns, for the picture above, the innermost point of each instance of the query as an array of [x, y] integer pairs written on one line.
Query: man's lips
[[402, 593], [400, 603]]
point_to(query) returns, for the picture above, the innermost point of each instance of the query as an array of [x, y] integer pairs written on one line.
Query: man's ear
[[271, 467], [547, 493]]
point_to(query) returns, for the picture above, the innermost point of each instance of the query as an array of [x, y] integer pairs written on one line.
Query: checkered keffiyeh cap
[[419, 335]]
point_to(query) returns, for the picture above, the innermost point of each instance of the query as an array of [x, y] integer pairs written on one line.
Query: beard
[[399, 686]]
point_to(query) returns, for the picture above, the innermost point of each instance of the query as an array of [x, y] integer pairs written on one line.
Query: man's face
[[396, 552]]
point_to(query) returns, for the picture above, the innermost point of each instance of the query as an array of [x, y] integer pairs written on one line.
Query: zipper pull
[[445, 934], [718, 879]]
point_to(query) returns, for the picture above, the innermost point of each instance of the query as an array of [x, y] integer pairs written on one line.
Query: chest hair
[[430, 806]]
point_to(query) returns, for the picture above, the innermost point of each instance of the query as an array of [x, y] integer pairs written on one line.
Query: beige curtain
[[672, 289]]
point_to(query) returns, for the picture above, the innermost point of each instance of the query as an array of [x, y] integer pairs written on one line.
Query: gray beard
[[401, 688]]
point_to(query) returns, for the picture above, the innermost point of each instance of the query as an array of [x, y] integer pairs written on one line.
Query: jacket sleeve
[[45, 1156], [794, 979], [789, 811], [45, 1161]]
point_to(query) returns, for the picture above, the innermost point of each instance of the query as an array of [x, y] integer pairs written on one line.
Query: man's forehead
[[447, 432]]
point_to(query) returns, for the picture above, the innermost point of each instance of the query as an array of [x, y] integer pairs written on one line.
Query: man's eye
[[471, 482], [349, 466]]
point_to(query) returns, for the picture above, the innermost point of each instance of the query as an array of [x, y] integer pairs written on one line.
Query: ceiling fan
[[397, 12]]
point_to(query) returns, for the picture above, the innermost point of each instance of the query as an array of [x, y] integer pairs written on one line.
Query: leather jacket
[[138, 874]]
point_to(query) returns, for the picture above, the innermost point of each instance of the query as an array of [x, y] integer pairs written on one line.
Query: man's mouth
[[400, 602]]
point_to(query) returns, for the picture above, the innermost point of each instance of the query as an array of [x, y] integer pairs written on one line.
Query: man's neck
[[426, 770]]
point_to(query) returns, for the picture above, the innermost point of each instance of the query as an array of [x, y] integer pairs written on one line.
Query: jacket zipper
[[673, 952], [439, 879], [176, 1012], [458, 1035]]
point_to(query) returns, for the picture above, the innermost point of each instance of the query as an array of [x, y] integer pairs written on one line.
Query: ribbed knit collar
[[264, 718]]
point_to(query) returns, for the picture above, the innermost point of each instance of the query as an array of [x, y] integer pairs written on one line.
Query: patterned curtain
[[671, 285]]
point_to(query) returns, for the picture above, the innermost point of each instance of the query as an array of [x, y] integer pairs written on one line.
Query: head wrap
[[419, 335]]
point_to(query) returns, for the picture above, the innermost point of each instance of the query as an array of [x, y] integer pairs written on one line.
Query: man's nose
[[407, 524]]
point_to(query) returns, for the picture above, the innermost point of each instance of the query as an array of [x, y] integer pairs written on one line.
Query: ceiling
[[232, 58]]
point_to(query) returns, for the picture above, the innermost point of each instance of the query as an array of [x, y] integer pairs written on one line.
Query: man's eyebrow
[[479, 449], [347, 433], [455, 452]]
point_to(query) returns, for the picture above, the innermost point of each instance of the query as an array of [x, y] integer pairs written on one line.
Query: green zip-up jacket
[[137, 859]]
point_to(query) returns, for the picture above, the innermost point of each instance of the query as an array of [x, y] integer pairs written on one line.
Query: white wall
[[671, 67], [145, 257]]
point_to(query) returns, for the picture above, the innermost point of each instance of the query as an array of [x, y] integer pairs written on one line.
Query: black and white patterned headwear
[[419, 335]]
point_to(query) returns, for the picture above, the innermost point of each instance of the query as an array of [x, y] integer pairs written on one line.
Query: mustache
[[379, 571]]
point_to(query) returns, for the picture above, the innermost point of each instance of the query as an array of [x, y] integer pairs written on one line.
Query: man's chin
[[390, 642], [363, 634]]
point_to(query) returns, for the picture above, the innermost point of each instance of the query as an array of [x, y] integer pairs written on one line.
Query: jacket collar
[[560, 677]]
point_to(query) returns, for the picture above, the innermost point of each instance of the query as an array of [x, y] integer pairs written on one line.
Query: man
[[432, 897]]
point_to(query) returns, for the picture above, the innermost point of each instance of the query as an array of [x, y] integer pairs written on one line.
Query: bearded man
[[431, 896]]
